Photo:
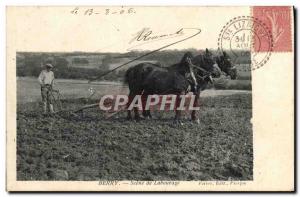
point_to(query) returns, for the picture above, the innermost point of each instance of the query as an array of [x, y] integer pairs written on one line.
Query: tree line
[[31, 64]]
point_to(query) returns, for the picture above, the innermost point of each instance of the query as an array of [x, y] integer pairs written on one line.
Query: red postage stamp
[[278, 20]]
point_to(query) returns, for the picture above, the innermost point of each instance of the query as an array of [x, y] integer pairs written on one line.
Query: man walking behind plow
[[46, 79]]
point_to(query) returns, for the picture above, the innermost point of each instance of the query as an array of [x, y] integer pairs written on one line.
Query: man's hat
[[49, 65]]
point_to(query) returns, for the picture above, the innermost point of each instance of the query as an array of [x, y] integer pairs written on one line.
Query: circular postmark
[[247, 41]]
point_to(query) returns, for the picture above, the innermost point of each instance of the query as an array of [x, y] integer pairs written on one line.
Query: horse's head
[[207, 65], [225, 64], [187, 57]]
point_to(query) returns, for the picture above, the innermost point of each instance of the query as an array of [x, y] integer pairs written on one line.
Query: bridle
[[223, 65], [197, 67], [206, 72]]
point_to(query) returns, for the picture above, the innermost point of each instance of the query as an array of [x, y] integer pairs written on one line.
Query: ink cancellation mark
[[246, 37]]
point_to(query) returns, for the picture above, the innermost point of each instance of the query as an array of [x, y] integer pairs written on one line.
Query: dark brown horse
[[148, 79], [225, 64]]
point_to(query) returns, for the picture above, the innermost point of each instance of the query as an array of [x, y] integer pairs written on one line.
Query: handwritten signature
[[146, 35]]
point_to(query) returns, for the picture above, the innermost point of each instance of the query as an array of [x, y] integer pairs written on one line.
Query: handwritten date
[[106, 11]]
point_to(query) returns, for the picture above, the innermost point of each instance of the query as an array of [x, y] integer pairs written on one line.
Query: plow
[[113, 105], [58, 99]]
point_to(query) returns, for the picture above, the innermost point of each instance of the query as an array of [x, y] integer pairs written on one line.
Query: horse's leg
[[136, 114], [195, 104], [130, 97], [178, 112], [149, 113], [136, 109], [146, 113], [144, 100]]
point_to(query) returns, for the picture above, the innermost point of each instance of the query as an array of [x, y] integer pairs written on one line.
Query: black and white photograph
[[62, 135]]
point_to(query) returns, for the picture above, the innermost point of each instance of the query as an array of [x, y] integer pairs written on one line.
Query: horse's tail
[[128, 75]]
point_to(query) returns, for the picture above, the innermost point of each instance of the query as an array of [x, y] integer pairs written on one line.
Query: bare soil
[[89, 147]]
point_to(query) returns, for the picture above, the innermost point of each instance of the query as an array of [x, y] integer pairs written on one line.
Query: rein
[[199, 68]]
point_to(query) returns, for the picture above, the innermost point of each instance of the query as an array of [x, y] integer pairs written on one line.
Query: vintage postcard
[[129, 98]]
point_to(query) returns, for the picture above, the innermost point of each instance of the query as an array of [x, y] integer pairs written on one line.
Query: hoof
[[148, 117], [129, 118], [178, 122], [197, 121], [138, 118]]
